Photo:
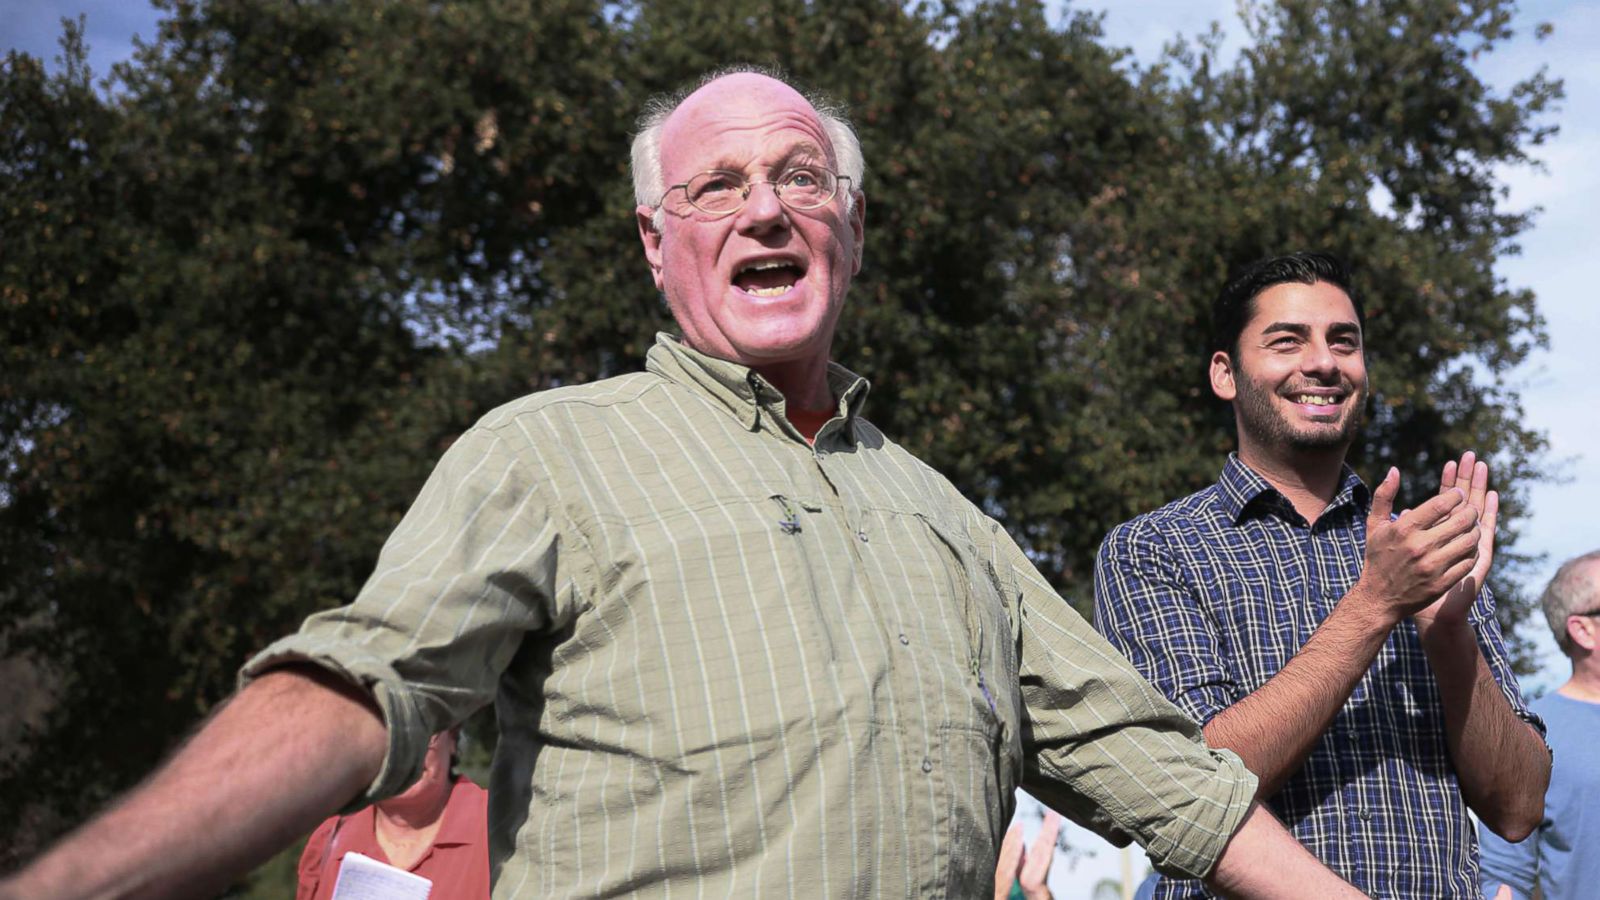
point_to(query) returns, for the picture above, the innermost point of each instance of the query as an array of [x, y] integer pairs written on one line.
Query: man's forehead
[[733, 113], [1293, 301], [744, 89]]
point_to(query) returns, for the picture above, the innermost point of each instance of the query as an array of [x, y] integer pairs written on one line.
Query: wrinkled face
[[1300, 379], [764, 285]]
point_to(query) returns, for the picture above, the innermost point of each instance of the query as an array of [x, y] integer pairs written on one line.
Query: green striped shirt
[[727, 662]]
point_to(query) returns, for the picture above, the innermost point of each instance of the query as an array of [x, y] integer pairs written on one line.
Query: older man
[[738, 641], [1561, 859], [1350, 657]]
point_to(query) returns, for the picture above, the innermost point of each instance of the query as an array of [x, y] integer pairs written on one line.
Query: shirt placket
[[923, 757]]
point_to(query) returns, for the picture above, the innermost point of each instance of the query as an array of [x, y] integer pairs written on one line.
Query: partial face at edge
[[1300, 379], [766, 284]]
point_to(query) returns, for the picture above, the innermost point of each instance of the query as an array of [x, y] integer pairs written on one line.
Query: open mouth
[[1318, 403], [768, 277], [1317, 399]]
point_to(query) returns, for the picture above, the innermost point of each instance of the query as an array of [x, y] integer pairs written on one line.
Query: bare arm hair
[[278, 758]]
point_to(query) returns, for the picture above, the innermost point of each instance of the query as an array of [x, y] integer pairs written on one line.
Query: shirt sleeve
[[1515, 865], [1104, 748], [1486, 625], [1148, 612], [476, 564]]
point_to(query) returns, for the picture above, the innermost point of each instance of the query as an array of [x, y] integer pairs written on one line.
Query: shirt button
[[1366, 815], [862, 535], [927, 764], [905, 641]]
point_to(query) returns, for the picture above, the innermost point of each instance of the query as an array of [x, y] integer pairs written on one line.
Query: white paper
[[364, 878]]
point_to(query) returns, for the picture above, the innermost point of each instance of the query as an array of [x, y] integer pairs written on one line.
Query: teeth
[[769, 292], [1316, 400], [762, 266]]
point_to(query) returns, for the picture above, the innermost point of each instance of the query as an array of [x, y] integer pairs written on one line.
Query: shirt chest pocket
[[717, 614]]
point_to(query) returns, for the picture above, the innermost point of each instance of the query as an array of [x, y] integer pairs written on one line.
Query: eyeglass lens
[[724, 192]]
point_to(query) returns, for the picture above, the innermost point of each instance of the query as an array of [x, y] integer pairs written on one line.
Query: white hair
[[649, 184], [1573, 591]]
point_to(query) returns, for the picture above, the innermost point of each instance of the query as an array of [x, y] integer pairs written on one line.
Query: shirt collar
[[462, 823], [742, 391], [1242, 486]]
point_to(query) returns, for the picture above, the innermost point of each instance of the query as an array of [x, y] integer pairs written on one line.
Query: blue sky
[[1558, 386]]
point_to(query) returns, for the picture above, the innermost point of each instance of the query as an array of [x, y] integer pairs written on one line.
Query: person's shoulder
[[1157, 525], [1557, 710], [315, 852], [467, 792], [872, 439], [606, 394]]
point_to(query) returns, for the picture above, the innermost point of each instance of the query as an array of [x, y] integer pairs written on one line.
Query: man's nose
[[1319, 360], [762, 210]]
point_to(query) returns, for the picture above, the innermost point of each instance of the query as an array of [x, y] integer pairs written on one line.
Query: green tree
[[257, 283]]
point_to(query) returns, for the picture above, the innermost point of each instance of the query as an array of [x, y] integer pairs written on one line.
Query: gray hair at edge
[[1571, 592], [649, 184]]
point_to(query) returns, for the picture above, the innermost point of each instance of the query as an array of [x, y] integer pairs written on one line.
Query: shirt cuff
[[1193, 852], [407, 733]]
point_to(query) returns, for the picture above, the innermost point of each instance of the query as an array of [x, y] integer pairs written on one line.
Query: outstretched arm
[[290, 748], [1263, 861], [1408, 562], [1500, 759]]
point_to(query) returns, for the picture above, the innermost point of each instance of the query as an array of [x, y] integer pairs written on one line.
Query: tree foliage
[[257, 281]]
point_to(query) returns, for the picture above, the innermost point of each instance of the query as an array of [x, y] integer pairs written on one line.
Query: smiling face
[[763, 286], [1300, 380]]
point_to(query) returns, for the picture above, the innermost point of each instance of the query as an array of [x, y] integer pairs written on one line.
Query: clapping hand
[[1470, 476]]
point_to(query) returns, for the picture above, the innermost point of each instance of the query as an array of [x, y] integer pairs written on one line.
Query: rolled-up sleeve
[[1147, 611], [475, 565], [1493, 646], [1105, 748]]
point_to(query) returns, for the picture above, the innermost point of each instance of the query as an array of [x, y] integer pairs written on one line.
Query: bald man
[[739, 642]]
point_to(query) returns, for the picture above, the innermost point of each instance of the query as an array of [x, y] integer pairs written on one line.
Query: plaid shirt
[[1211, 595]]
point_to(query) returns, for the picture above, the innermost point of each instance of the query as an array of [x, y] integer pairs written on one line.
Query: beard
[[1268, 425]]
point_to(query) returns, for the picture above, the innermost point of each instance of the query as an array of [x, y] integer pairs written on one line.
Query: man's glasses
[[721, 193]]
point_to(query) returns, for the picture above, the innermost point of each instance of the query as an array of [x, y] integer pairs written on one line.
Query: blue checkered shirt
[[1211, 595]]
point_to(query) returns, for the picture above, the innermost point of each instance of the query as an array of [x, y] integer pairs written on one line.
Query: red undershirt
[[809, 421]]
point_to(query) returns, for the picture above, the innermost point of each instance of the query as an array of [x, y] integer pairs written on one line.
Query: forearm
[[1500, 760], [1263, 860], [278, 758], [1275, 727]]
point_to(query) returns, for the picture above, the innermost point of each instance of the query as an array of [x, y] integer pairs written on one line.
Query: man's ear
[[1222, 376], [858, 228], [1581, 631], [651, 238]]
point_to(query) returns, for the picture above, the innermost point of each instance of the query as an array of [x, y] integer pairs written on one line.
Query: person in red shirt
[[437, 829]]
